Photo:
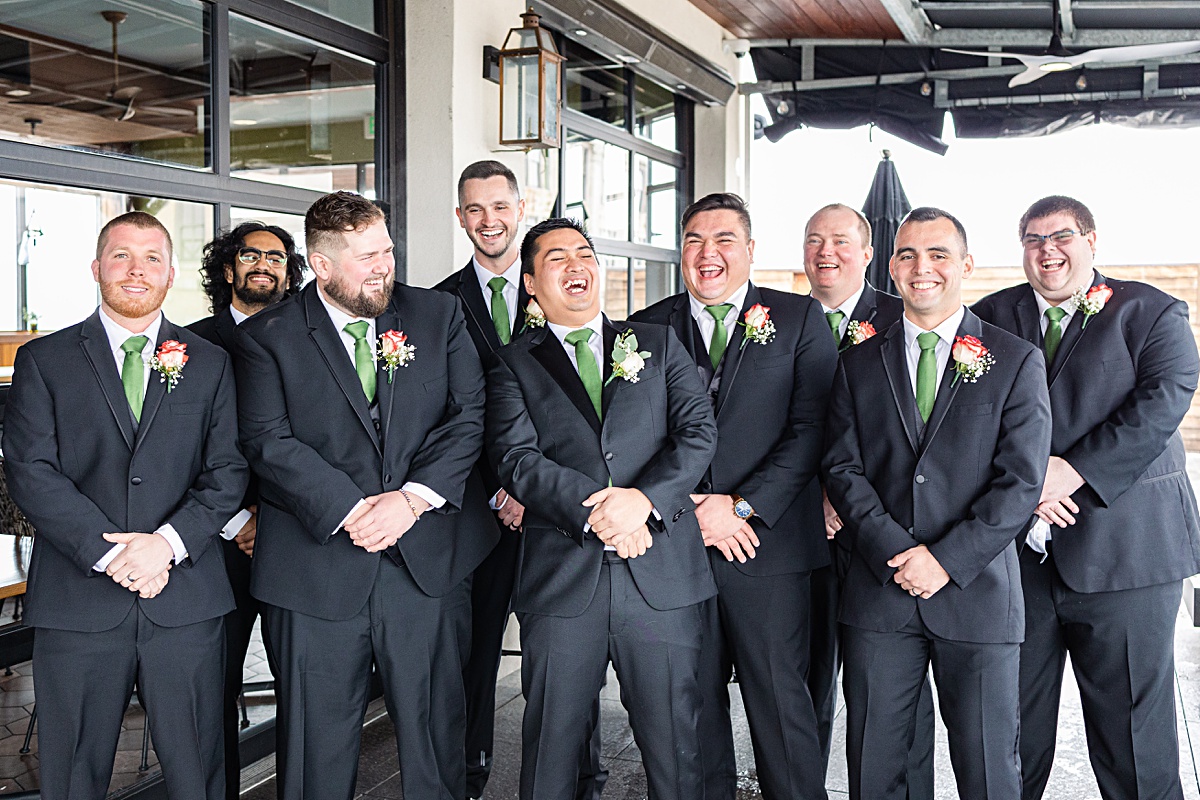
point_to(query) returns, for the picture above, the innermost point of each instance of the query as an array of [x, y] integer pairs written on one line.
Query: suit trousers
[[1122, 647], [656, 655], [417, 644], [977, 693], [825, 662], [761, 626], [83, 682]]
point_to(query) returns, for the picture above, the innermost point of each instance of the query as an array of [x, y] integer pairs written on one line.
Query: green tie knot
[[134, 344], [1056, 314], [927, 340], [835, 324], [500, 320], [496, 284], [1050, 342], [585, 361], [364, 357], [720, 337], [133, 373], [582, 335], [926, 373]]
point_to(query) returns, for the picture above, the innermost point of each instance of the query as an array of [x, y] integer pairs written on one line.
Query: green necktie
[[585, 360], [926, 374], [716, 348], [500, 318], [364, 358], [133, 374], [835, 324], [1053, 332]]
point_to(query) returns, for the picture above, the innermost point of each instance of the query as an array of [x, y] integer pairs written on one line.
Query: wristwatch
[[741, 508]]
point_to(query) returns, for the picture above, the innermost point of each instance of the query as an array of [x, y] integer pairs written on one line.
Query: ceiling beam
[[909, 18], [1011, 37]]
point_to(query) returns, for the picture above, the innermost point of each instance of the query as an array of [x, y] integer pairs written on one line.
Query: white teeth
[[923, 285], [1056, 262], [826, 265]]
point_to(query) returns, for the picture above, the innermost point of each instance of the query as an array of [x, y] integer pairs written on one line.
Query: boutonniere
[[758, 325], [395, 351], [1091, 301], [168, 362], [534, 318], [627, 361], [971, 359], [858, 332]]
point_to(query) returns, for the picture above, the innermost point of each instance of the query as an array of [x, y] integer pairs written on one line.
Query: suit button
[[136, 481], [387, 478], [608, 456], [910, 532], [920, 479], [705, 487]]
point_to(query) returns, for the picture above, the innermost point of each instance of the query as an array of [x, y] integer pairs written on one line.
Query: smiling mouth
[[1053, 264], [135, 289], [711, 271], [921, 286], [575, 286], [491, 234], [827, 265], [261, 277]]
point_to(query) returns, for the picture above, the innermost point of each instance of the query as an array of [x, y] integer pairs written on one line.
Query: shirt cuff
[[348, 515], [1039, 534], [422, 491], [493, 505], [103, 563], [234, 526], [169, 533]]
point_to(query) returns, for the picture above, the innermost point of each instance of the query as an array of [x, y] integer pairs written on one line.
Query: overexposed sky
[[1142, 185]]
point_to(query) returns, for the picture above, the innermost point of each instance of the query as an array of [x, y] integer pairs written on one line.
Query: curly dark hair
[[222, 251]]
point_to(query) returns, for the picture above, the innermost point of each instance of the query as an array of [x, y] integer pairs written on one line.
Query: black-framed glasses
[[1032, 241], [252, 255]]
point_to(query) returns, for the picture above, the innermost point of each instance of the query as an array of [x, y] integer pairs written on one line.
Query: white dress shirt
[[234, 526], [846, 308], [117, 335], [512, 282], [340, 320], [1041, 532], [1068, 307], [945, 331], [708, 323]]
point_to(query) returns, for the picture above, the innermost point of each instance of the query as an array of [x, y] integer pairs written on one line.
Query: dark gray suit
[[79, 465], [579, 606], [770, 413], [1109, 591], [332, 608], [965, 485]]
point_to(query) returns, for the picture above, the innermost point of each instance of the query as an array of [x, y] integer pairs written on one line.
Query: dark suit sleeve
[[1114, 454], [796, 458], [552, 491], [319, 494], [669, 477], [877, 537], [59, 512], [1004, 508], [216, 493], [450, 449]]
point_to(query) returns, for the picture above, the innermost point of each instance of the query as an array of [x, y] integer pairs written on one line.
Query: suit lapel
[[1071, 337], [226, 330], [94, 342], [864, 311], [156, 388], [522, 301], [550, 354], [611, 386], [948, 387], [385, 390], [895, 364], [681, 321], [329, 343], [734, 351], [475, 307]]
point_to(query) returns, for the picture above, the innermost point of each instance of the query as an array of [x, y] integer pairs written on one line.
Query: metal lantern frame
[[549, 92]]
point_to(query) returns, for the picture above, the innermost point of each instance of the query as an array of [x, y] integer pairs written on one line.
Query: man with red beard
[[131, 474], [361, 412], [243, 271]]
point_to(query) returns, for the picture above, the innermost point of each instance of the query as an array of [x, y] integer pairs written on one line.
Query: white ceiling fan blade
[[1136, 52], [1030, 61], [1032, 73]]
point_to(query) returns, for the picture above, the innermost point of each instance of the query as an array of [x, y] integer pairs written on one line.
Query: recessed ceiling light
[[580, 32], [18, 93], [245, 122]]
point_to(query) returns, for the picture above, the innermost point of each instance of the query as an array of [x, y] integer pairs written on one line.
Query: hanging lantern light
[[530, 81]]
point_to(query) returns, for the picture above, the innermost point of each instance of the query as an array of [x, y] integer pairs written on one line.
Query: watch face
[[743, 509]]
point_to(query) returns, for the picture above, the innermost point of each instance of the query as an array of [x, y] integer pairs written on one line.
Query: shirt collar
[[512, 274], [118, 334], [340, 318], [596, 325], [945, 331], [1068, 306], [238, 317], [737, 299], [849, 305]]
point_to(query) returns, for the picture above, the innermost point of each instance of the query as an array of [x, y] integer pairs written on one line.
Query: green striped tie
[[133, 374], [500, 318], [364, 359]]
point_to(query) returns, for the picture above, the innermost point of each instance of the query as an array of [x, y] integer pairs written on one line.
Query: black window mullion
[[217, 127], [306, 22]]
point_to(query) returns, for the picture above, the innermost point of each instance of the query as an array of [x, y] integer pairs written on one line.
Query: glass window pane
[[540, 185], [595, 85], [359, 13], [614, 280], [654, 112], [134, 84], [597, 186], [652, 281], [654, 202], [301, 113]]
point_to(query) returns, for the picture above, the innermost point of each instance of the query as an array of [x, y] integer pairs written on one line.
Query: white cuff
[[422, 491], [103, 563], [169, 533], [1039, 534], [349, 515], [234, 526], [493, 505]]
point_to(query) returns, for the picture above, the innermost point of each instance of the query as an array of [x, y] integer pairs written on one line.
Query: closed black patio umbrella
[[885, 207]]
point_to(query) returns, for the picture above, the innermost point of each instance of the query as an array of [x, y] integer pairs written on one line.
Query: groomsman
[[767, 360], [362, 415], [939, 430], [602, 430], [243, 271], [120, 446], [837, 250], [1117, 528]]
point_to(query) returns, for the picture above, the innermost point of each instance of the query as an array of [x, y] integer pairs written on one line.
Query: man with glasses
[[1116, 529], [243, 271]]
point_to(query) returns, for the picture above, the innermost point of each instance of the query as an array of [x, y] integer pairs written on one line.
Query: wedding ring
[[913, 592]]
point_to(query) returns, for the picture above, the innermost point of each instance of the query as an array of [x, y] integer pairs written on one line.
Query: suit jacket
[[78, 467], [309, 435], [770, 414], [878, 308], [966, 488], [657, 435], [1119, 388], [464, 284]]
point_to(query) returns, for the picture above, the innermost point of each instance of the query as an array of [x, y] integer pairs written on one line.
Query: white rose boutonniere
[[971, 359], [395, 351], [627, 361], [534, 317], [168, 362], [759, 327]]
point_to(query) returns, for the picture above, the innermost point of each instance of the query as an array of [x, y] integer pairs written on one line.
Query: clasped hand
[[382, 519], [722, 529], [1056, 506], [619, 517], [918, 572], [143, 565]]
